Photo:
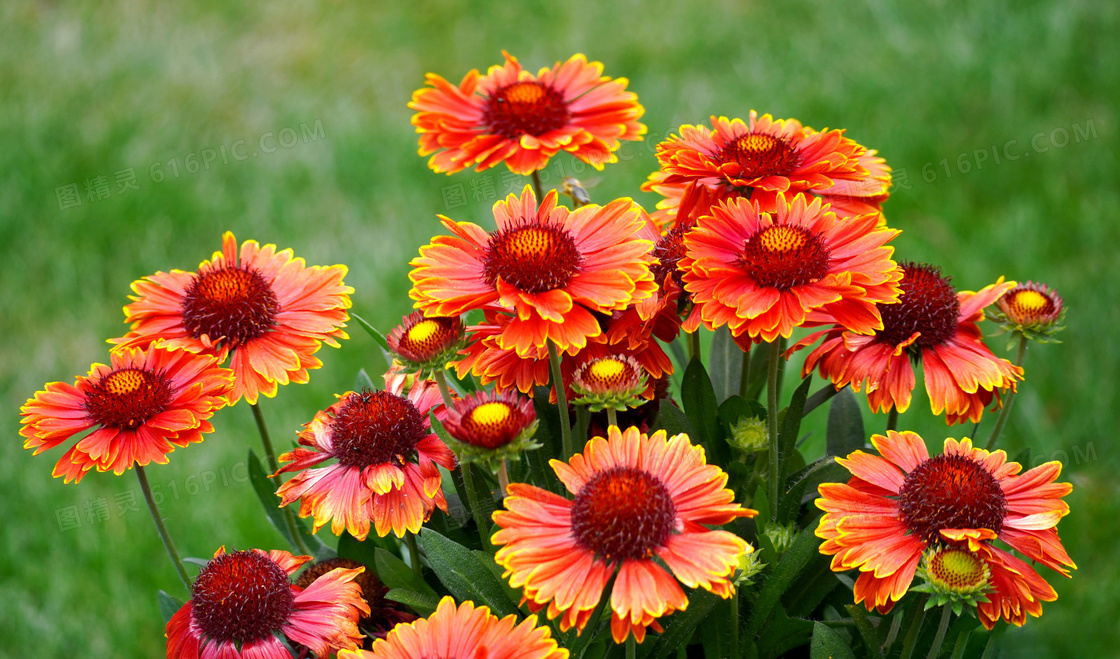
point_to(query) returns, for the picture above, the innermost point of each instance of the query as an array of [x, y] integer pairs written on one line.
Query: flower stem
[[537, 186], [413, 553], [915, 628], [942, 627], [503, 477], [745, 374], [694, 344], [1005, 413], [274, 466], [612, 417], [444, 391], [892, 419], [734, 625], [561, 400], [631, 646], [162, 529], [772, 422]]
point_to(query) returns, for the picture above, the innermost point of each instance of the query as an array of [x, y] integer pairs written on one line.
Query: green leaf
[[845, 425], [672, 420], [395, 573], [680, 625], [266, 493], [423, 605], [790, 427], [780, 579], [725, 364], [760, 503], [828, 644], [463, 573], [372, 331], [702, 409], [784, 634], [363, 551], [362, 381], [825, 470], [168, 606]]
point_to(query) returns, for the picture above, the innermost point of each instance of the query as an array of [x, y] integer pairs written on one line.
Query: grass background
[[87, 90]]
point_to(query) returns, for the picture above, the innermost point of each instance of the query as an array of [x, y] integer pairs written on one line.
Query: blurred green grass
[[90, 90]]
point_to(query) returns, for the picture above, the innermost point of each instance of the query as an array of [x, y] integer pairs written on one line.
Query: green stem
[[942, 627], [561, 400], [915, 628], [1005, 413], [441, 380], [503, 477], [480, 521], [612, 417], [162, 529], [892, 419], [537, 186], [961, 645], [413, 553], [694, 344], [274, 466], [772, 423], [745, 374], [892, 633], [735, 624], [631, 647]]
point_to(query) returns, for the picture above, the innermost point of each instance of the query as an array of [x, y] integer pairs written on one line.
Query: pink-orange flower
[[461, 632], [549, 268], [636, 498], [510, 115], [764, 158], [140, 407], [241, 601], [265, 307], [763, 273], [932, 325], [895, 506], [386, 470]]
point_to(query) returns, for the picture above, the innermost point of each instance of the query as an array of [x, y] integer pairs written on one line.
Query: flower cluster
[[548, 414]]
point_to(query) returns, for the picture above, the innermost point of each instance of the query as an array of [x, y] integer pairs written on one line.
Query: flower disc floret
[[376, 427], [243, 596], [623, 514], [951, 492]]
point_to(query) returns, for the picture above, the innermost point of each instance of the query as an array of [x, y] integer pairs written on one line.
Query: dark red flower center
[[235, 304], [533, 258], [525, 108], [376, 427], [951, 492], [241, 597], [760, 155], [491, 424], [127, 398], [423, 339], [928, 304], [783, 256], [622, 514]]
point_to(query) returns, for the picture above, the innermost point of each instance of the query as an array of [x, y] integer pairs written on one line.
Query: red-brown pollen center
[[525, 108], [760, 155], [430, 337], [784, 256], [1027, 306], [235, 304], [492, 424], [622, 514], [241, 597], [128, 397], [928, 304], [534, 258], [376, 427], [950, 492]]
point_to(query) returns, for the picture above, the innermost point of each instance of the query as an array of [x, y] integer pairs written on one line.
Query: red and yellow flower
[[140, 406], [548, 268], [895, 507], [387, 468], [510, 115], [265, 307], [637, 498], [932, 325], [241, 602], [455, 632], [763, 273]]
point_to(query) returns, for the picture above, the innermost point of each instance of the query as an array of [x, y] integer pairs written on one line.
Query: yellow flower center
[[423, 331], [607, 369], [489, 414], [782, 239], [124, 382], [1031, 300], [785, 256], [533, 257], [957, 569], [759, 155], [524, 92]]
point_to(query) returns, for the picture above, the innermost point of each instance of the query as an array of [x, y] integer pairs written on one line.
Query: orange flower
[[636, 498], [464, 631], [264, 306], [141, 406], [762, 273], [551, 269], [241, 601], [387, 462], [513, 116], [933, 325], [896, 506], [763, 158]]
